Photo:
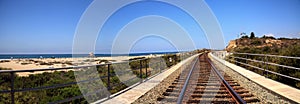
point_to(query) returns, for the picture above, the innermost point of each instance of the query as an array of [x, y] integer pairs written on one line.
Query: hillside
[[267, 45]]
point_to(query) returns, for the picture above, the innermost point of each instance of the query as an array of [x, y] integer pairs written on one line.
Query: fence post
[[246, 62], [12, 87], [146, 68], [141, 76], [235, 60], [108, 77], [160, 61], [266, 58]]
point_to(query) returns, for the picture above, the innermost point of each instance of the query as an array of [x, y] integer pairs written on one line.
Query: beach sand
[[37, 63]]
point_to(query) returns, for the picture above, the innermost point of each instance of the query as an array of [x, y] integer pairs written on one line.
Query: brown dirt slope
[[261, 43]]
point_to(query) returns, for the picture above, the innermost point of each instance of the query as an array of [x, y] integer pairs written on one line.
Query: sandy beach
[[38, 63]]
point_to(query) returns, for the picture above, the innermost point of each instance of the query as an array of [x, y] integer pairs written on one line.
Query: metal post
[[146, 68], [12, 87], [235, 60], [160, 65], [141, 76], [267, 68], [247, 61], [264, 60], [108, 77]]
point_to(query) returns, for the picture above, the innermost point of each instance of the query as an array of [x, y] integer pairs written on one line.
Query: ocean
[[21, 56]]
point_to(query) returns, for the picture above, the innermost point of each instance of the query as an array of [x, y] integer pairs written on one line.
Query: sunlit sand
[[38, 63]]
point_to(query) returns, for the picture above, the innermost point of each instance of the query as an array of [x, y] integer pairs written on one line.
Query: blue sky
[[48, 26]]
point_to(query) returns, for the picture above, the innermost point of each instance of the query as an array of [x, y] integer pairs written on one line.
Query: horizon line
[[95, 53]]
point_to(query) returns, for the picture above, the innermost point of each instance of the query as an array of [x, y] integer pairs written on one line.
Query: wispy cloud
[[294, 35], [287, 35]]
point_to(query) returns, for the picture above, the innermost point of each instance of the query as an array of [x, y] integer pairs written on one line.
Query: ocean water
[[19, 56]]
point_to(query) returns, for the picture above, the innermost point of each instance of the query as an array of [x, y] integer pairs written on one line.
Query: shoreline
[[38, 63], [46, 55]]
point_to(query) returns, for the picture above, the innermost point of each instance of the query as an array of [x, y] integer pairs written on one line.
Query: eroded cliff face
[[260, 43], [231, 45]]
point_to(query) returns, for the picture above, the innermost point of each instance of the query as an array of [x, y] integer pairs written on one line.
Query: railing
[[262, 62], [143, 65]]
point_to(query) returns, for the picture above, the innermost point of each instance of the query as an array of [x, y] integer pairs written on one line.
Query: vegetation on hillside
[[273, 46]]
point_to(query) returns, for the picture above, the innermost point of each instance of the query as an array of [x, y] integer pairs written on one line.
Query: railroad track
[[203, 83]]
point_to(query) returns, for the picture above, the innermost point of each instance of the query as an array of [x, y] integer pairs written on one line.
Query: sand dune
[[36, 63]]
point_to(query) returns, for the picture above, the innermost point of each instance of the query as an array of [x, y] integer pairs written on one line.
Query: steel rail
[[182, 92], [235, 95]]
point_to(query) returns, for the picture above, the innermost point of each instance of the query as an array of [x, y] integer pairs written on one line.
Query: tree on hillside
[[252, 35], [246, 37], [243, 35]]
